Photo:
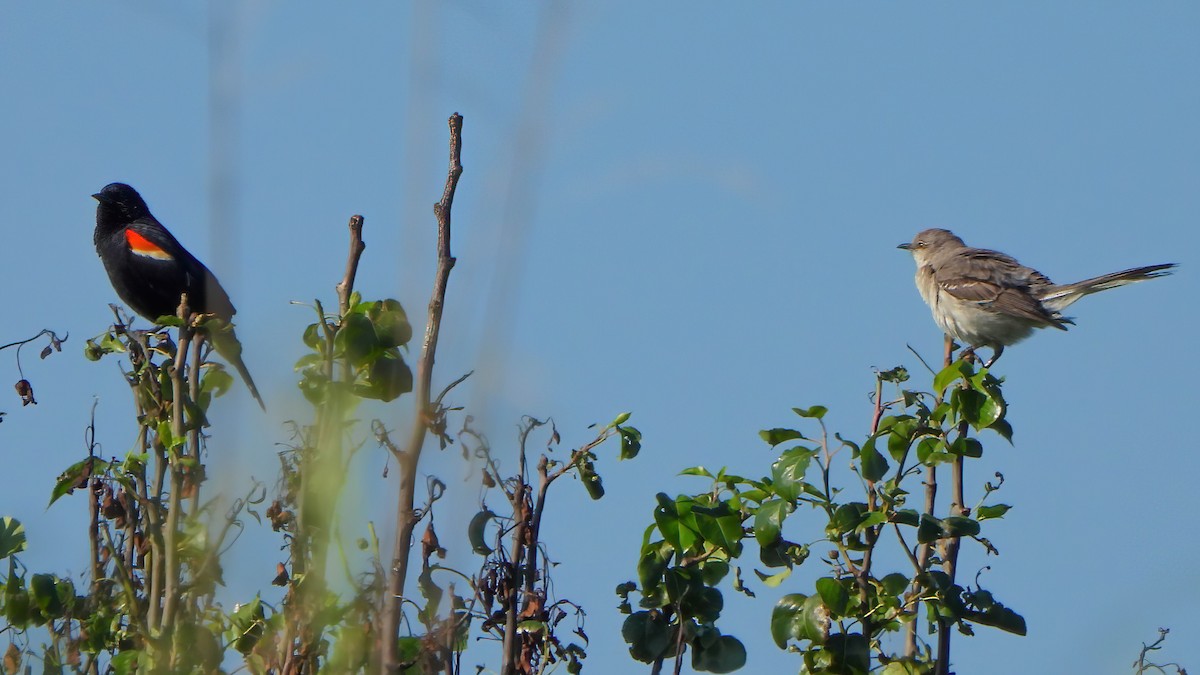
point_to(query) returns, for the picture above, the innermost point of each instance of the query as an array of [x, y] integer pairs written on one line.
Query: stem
[[357, 246], [194, 433], [405, 516], [950, 552], [94, 507], [511, 610], [924, 550], [171, 581]]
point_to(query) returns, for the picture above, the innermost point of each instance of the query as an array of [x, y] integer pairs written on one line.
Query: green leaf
[[847, 517], [216, 380], [621, 419], [999, 616], [648, 636], [666, 517], [904, 668], [18, 611], [787, 619], [928, 448], [387, 378], [930, 529], [908, 517], [702, 603], [967, 447], [409, 649], [126, 662], [874, 466], [773, 580], [977, 408], [313, 338], [872, 519], [815, 412], [723, 655], [787, 473], [1002, 427], [12, 537], [315, 387], [783, 553], [43, 591], [894, 583], [308, 361], [851, 653], [776, 436], [982, 513], [355, 339], [713, 571], [960, 526], [392, 328], [247, 624], [900, 435], [833, 595], [815, 622], [166, 435], [696, 471], [111, 344], [949, 375], [720, 526], [76, 476], [590, 479], [653, 564], [476, 532], [631, 442], [768, 521], [92, 351]]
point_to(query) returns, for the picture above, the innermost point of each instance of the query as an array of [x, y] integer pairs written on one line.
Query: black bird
[[150, 269]]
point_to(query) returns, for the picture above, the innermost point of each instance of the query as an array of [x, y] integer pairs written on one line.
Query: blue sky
[[689, 212]]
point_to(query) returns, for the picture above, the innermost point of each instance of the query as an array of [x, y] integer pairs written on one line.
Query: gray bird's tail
[[1059, 297]]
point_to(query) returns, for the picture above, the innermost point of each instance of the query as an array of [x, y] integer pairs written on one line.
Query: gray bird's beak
[[905, 246]]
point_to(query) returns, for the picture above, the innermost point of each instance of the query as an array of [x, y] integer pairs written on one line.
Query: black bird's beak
[[906, 247], [98, 197]]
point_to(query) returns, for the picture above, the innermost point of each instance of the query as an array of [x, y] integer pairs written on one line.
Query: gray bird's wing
[[996, 282]]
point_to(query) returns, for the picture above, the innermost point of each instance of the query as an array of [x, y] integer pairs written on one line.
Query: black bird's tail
[[240, 365], [225, 341]]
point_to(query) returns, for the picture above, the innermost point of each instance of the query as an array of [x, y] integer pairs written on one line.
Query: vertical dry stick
[[346, 286], [405, 517], [950, 551], [924, 550], [319, 488], [94, 507], [950, 563], [194, 432], [171, 582], [512, 601], [523, 517]]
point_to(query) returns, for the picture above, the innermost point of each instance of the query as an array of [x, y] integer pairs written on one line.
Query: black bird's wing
[[165, 266]]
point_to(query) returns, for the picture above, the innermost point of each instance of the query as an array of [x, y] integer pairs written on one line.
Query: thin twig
[[950, 551], [170, 587], [405, 517], [357, 246]]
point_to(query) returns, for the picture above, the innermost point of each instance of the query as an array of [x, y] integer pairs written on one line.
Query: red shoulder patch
[[144, 247]]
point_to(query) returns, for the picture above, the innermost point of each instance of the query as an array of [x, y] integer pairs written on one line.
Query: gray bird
[[985, 298]]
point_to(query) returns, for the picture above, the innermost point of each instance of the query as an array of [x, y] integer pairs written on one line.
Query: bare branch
[[406, 518], [346, 286]]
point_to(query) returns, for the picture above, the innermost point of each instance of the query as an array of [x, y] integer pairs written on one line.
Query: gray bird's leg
[[995, 356]]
